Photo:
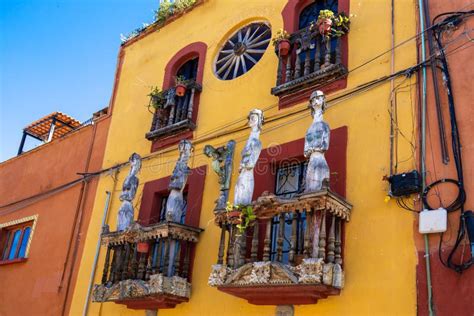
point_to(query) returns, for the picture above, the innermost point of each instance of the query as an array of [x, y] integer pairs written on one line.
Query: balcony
[[174, 114], [147, 267], [292, 254], [311, 61]]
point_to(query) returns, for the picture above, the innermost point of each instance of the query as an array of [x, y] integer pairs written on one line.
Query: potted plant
[[331, 25], [156, 98], [281, 41], [180, 85], [325, 21], [243, 215], [142, 247]]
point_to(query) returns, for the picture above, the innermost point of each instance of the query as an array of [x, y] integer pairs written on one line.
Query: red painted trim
[[289, 100], [156, 26], [161, 143], [193, 50], [118, 72], [153, 192], [17, 260], [290, 14], [154, 189], [273, 157], [292, 152]]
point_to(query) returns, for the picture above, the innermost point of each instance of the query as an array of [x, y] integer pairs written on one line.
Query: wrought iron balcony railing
[[174, 113], [147, 267], [312, 59], [295, 259]]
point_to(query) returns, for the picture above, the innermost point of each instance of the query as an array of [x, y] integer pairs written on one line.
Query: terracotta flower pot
[[284, 47], [142, 247], [324, 26], [180, 90], [233, 214]]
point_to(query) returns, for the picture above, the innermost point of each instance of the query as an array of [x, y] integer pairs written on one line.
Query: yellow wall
[[379, 250]]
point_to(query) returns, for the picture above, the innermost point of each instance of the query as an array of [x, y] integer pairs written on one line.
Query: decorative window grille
[[242, 51], [289, 182]]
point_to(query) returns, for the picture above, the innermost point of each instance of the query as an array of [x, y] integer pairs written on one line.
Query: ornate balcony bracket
[[147, 267], [314, 268], [159, 292], [328, 74], [269, 205], [136, 233]]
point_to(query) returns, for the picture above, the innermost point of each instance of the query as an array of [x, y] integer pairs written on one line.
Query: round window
[[242, 51]]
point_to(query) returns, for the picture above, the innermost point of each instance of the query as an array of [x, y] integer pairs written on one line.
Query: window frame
[[290, 15], [191, 51], [10, 228]]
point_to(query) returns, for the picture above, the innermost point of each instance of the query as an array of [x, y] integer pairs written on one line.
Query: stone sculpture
[[175, 203], [222, 161], [129, 189], [316, 144], [245, 183]]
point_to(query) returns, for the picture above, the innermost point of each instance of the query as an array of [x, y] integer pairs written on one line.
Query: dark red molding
[[193, 50], [290, 14], [153, 192], [171, 140], [292, 152], [17, 260], [271, 158]]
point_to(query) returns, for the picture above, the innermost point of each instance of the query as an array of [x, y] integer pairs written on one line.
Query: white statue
[[316, 144], [129, 189], [245, 183], [175, 203]]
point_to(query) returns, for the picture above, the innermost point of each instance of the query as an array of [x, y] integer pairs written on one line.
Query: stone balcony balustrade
[[252, 267], [175, 114], [147, 267]]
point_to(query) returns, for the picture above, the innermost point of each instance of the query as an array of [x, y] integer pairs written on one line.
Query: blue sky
[[59, 56]]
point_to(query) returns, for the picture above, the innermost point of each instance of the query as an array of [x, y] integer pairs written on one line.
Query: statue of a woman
[[245, 183], [175, 203], [129, 189], [316, 144]]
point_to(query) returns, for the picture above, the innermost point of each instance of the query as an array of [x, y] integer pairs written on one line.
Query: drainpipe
[[96, 257], [423, 151]]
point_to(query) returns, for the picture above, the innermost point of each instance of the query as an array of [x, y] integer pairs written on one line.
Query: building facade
[[45, 210], [220, 52]]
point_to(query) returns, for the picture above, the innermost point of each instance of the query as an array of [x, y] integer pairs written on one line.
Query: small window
[[164, 200], [289, 182], [14, 239]]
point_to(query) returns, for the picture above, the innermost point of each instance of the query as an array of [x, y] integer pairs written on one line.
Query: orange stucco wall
[[34, 287], [452, 292]]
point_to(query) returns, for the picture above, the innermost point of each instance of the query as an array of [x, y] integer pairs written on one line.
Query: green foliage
[[246, 215], [181, 80], [168, 9], [157, 98]]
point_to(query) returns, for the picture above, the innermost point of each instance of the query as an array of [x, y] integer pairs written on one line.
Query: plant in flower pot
[[180, 85], [242, 215], [330, 24], [143, 247], [157, 102], [282, 42], [324, 22]]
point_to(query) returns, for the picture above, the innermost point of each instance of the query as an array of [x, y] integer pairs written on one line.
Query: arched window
[[310, 13], [311, 62], [177, 104], [189, 69]]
